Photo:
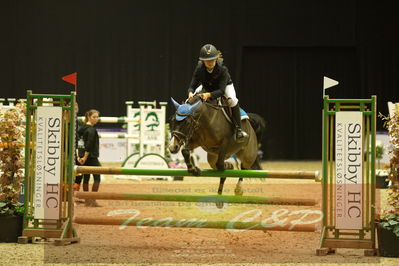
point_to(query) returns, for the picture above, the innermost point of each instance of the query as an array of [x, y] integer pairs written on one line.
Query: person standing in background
[[88, 156]]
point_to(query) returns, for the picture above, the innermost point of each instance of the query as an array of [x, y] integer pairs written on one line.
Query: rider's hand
[[206, 95], [190, 95]]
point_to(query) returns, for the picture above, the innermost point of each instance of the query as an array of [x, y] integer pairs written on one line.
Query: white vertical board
[[348, 170], [133, 128], [152, 130], [48, 162]]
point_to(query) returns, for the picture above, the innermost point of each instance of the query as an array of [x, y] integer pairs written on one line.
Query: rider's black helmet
[[208, 52]]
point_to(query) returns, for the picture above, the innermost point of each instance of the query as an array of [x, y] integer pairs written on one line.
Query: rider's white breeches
[[229, 93]]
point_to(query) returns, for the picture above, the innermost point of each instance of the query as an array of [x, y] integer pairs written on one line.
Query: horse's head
[[182, 125]]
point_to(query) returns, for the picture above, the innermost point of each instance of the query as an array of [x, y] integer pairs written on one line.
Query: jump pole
[[114, 119], [205, 173], [196, 198], [117, 136], [193, 224]]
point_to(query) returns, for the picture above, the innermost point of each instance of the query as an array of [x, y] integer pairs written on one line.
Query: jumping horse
[[203, 124]]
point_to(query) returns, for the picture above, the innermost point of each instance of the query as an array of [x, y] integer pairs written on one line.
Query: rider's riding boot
[[240, 135]]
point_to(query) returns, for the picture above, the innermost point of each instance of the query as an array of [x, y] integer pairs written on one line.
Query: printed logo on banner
[[348, 170], [153, 130], [153, 120], [48, 162]]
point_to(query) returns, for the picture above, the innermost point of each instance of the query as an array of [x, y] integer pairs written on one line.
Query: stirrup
[[240, 135]]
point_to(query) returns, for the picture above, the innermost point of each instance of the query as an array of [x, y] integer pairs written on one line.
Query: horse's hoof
[[238, 192], [195, 171], [219, 204]]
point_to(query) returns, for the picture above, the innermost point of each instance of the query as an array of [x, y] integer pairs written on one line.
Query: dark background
[[277, 52]]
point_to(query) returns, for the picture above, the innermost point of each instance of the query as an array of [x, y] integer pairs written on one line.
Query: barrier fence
[[204, 173], [50, 125], [196, 198], [49, 198], [348, 185], [196, 224]]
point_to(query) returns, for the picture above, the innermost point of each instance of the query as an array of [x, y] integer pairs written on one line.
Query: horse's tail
[[258, 124]]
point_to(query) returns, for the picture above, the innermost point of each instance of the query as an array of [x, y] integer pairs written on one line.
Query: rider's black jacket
[[214, 82]]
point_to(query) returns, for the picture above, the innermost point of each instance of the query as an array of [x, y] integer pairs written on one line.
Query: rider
[[212, 78]]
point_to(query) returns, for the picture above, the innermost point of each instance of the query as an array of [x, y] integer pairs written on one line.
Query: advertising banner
[[48, 162], [348, 170]]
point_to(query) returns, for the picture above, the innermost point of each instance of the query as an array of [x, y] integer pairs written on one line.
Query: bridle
[[193, 126], [179, 136], [184, 138]]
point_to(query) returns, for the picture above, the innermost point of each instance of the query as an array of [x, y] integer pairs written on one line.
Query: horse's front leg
[[191, 167]]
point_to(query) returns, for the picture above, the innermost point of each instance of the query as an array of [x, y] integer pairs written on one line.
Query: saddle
[[226, 109], [224, 102]]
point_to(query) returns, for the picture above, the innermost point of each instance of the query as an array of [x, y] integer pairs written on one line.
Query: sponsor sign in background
[[348, 170], [152, 133], [48, 162]]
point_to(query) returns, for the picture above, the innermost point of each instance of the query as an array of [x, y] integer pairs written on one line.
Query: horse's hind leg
[[212, 159], [257, 164], [238, 190], [227, 165], [221, 184], [219, 203]]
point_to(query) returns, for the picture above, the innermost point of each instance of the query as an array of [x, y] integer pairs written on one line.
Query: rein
[[213, 105]]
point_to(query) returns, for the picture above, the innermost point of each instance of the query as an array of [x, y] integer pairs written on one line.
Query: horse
[[203, 124]]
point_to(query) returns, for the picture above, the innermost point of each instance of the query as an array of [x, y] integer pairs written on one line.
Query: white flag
[[327, 83]]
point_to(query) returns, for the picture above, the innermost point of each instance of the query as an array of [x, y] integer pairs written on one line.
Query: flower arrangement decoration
[[390, 215], [12, 139]]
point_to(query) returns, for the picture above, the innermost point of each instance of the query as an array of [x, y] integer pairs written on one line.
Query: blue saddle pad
[[243, 114]]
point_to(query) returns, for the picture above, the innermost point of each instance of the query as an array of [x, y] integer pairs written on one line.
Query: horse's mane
[[194, 99], [212, 103]]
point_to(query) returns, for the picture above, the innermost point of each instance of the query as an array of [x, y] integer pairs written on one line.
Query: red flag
[[71, 78]]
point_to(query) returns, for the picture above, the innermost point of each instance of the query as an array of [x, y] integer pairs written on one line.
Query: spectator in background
[[88, 155]]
